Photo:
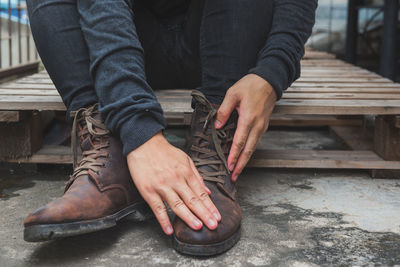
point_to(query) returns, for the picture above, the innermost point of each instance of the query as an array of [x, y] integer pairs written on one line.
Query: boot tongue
[[198, 123], [87, 140]]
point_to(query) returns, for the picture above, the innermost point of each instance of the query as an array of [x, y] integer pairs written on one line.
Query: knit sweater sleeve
[[279, 60]]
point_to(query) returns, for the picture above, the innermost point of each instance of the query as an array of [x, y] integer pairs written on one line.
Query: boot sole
[[46, 232], [206, 250]]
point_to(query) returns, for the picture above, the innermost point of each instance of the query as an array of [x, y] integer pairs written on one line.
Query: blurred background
[[359, 43]]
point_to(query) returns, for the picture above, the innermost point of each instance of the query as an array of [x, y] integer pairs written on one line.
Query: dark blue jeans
[[115, 52]]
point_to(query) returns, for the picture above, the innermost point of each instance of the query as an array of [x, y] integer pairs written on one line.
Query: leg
[[100, 191], [232, 33], [59, 41]]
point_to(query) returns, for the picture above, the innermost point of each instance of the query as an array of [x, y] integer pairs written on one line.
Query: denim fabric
[[116, 51]]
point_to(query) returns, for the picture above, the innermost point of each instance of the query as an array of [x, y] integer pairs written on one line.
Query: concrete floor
[[291, 218]]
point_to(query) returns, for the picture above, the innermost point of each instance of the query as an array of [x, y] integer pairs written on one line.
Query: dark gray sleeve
[[127, 102], [279, 60]]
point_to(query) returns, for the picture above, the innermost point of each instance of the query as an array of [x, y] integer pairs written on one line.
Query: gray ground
[[291, 218]]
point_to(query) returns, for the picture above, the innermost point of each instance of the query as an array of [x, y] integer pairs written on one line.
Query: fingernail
[[217, 216], [231, 167], [212, 223], [218, 123], [196, 223], [208, 190], [234, 177], [169, 230]]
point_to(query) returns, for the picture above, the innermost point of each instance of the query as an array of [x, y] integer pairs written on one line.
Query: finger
[[225, 110], [181, 210], [238, 143], [194, 203], [205, 199], [160, 211], [247, 152], [198, 176]]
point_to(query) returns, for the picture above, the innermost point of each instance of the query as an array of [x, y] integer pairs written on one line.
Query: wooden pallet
[[330, 92]]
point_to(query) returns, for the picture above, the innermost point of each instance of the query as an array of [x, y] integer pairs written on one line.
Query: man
[[239, 54]]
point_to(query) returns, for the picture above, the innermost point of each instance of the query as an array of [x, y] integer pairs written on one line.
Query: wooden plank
[[342, 90], [345, 85], [21, 138], [313, 120], [342, 107], [48, 154], [387, 144], [343, 80], [318, 55], [32, 92], [285, 106], [355, 138], [31, 103], [348, 96], [262, 158], [320, 159], [9, 116], [387, 138]]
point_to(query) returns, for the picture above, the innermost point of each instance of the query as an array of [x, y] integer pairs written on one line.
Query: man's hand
[[162, 172], [254, 99]]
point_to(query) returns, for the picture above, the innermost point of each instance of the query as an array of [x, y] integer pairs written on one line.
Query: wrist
[[265, 85], [154, 142]]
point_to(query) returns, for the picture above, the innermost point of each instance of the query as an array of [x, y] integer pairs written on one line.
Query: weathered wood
[[387, 144], [9, 116], [261, 159], [387, 138], [313, 120], [53, 154], [23, 138], [354, 137], [320, 159], [297, 120]]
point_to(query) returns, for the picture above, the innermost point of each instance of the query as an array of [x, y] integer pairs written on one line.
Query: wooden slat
[[321, 159], [31, 103], [262, 158], [9, 116], [327, 87], [179, 104], [347, 96], [313, 120], [49, 154], [355, 138], [342, 90], [10, 92], [342, 107], [346, 85]]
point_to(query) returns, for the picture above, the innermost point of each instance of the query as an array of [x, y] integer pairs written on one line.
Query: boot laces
[[85, 125], [215, 159]]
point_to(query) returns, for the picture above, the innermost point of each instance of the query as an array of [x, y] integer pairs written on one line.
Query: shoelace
[[96, 130], [218, 136]]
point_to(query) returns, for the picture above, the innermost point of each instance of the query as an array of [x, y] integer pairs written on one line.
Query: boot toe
[[227, 227], [83, 201]]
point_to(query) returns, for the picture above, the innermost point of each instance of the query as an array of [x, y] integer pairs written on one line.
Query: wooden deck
[[328, 88]]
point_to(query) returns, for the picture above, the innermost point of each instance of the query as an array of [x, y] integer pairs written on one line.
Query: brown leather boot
[[209, 149], [99, 193]]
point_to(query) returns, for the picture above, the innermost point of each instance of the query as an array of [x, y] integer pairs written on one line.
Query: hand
[[162, 172], [254, 99]]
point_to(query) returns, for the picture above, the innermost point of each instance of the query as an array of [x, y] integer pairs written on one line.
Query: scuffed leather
[[95, 195], [225, 200]]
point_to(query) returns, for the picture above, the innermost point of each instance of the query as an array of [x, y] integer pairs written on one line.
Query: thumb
[[225, 110]]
